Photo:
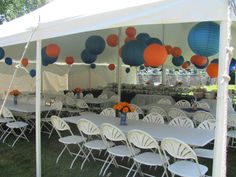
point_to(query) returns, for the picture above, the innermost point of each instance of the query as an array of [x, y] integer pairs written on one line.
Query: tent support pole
[[89, 78], [119, 67], [163, 80], [38, 109], [219, 163]]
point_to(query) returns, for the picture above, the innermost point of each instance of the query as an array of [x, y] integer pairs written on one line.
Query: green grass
[[19, 161]]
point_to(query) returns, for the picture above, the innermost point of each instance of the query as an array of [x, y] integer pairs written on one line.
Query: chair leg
[[112, 158], [21, 135], [77, 155], [61, 153], [90, 152], [8, 133], [4, 133], [130, 170], [100, 173]]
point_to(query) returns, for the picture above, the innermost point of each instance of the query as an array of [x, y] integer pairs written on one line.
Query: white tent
[[66, 17]]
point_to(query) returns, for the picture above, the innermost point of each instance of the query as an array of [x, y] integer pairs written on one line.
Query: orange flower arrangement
[[15, 92], [77, 90], [124, 107]]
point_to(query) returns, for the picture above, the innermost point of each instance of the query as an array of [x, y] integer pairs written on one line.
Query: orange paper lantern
[[52, 50], [176, 52], [212, 70], [69, 60], [185, 65], [130, 31], [155, 55], [25, 62], [168, 49], [200, 60], [193, 59], [112, 40]]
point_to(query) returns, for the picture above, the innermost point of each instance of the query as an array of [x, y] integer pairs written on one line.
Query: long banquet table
[[192, 136]]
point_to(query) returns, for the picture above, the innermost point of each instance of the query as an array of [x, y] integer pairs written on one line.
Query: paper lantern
[[130, 31], [8, 61], [112, 40], [127, 39], [111, 67], [127, 70], [153, 41], [32, 72], [194, 58], [212, 70], [185, 65], [176, 52], [232, 65], [202, 66], [24, 62], [200, 60], [216, 60], [93, 66], [95, 45], [203, 38], [142, 36], [46, 60], [87, 57], [168, 49], [69, 60], [178, 61], [52, 50], [132, 53], [155, 55], [2, 53]]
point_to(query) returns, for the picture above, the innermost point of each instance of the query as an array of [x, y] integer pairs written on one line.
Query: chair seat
[[232, 134], [72, 139], [187, 168], [121, 151], [150, 158], [205, 153], [5, 120], [16, 124], [97, 145]]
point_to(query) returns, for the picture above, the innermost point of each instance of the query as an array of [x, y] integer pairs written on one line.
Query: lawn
[[19, 161]]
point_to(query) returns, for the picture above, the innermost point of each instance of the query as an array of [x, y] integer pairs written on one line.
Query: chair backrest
[[203, 105], [133, 115], [110, 112], [57, 105], [209, 124], [112, 133], [154, 117], [201, 116], [177, 149], [6, 113], [164, 101], [182, 121], [70, 101], [60, 125], [103, 96], [183, 103], [87, 127], [175, 112], [89, 95], [80, 103], [158, 110], [137, 109]]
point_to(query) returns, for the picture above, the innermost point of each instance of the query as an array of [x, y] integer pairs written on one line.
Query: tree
[[10, 9]]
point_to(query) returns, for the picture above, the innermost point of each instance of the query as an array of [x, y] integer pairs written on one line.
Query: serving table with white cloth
[[191, 136]]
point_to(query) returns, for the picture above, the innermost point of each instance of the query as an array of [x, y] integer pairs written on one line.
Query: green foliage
[[10, 9]]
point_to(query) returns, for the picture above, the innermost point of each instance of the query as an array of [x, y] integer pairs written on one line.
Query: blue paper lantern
[[2, 53], [178, 61], [88, 57], [203, 39], [32, 72], [127, 70], [232, 65], [153, 41], [202, 66], [216, 60], [93, 66], [142, 36], [46, 60], [95, 45], [132, 53], [8, 61]]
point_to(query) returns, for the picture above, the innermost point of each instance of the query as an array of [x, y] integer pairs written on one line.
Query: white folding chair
[[201, 116], [154, 117], [89, 95], [182, 121], [60, 125], [137, 109], [232, 132], [183, 103], [82, 107], [4, 119], [203, 105], [175, 112], [158, 110], [109, 112], [164, 101], [103, 96], [111, 133], [132, 116], [151, 155], [17, 128], [93, 141], [209, 124], [186, 161]]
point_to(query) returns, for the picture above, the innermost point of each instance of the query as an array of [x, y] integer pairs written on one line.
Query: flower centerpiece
[[123, 108], [77, 91], [15, 93]]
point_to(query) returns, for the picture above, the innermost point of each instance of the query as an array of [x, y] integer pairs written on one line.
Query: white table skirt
[[192, 136]]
